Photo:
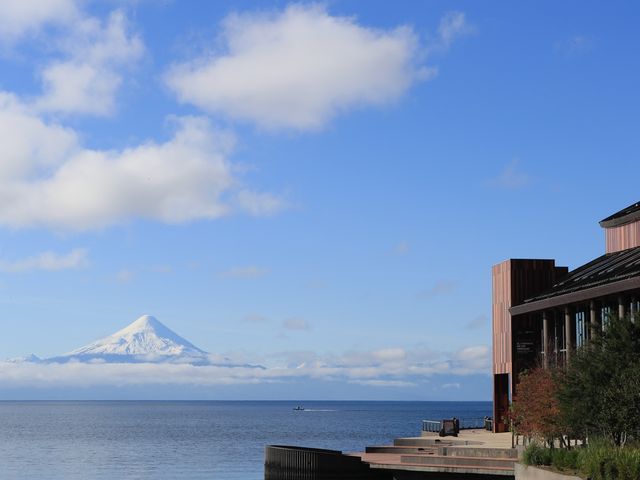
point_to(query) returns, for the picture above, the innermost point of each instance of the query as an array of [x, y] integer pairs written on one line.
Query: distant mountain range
[[146, 340]]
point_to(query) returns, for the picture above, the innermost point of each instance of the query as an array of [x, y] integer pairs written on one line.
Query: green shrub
[[535, 454], [562, 459], [628, 463], [601, 460]]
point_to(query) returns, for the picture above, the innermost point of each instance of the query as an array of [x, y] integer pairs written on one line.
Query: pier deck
[[474, 452]]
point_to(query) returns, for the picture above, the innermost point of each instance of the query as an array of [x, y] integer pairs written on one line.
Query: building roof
[[624, 216], [606, 269]]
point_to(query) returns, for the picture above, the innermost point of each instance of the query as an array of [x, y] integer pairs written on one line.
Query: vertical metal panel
[[622, 237]]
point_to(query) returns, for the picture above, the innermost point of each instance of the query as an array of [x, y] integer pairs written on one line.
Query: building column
[[621, 308], [634, 302], [545, 338], [567, 333], [593, 319]]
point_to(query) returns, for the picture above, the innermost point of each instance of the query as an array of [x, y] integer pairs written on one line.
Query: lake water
[[193, 440]]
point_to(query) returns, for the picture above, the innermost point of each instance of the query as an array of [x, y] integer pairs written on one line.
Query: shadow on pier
[[284, 462]]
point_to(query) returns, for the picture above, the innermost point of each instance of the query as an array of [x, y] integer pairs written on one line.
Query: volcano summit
[[146, 340]]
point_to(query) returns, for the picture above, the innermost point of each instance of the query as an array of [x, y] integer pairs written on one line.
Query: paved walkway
[[473, 451], [487, 439]]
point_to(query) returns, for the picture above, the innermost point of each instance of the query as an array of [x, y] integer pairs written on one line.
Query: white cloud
[[248, 271], [22, 17], [455, 385], [88, 80], [472, 359], [48, 179], [385, 383], [259, 203], [452, 26], [28, 143], [389, 354], [298, 68], [407, 371], [50, 261]]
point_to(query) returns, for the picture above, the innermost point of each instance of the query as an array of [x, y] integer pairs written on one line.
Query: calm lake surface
[[193, 440]]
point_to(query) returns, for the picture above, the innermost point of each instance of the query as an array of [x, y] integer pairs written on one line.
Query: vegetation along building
[[543, 312]]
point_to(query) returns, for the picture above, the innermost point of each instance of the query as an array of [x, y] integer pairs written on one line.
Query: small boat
[[298, 408]]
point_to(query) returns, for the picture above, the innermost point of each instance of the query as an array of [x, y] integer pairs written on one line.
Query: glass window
[[581, 329]]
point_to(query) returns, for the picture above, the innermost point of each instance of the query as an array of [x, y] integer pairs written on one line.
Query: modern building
[[543, 312]]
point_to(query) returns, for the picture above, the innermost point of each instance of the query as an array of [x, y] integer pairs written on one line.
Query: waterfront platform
[[477, 454]]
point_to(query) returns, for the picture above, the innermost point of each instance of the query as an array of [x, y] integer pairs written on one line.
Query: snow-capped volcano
[[145, 336], [144, 340]]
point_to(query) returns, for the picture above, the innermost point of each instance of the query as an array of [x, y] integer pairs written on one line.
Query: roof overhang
[[577, 297], [628, 215]]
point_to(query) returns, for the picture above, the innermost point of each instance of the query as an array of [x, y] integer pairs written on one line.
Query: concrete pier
[[473, 455]]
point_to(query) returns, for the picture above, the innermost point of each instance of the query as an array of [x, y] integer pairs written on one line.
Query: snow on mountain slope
[[145, 336], [144, 340]]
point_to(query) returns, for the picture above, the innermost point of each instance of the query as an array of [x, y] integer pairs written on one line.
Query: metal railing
[[465, 424], [431, 425]]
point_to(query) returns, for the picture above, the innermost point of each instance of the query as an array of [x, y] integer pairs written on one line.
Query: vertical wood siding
[[514, 281], [502, 317], [622, 237]]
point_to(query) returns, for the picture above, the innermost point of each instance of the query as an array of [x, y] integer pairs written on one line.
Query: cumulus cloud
[[19, 18], [49, 261], [380, 368], [48, 179], [88, 80], [298, 68]]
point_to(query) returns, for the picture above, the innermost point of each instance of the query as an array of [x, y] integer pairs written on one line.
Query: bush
[[596, 460], [562, 459], [536, 455], [603, 461], [600, 460], [628, 463]]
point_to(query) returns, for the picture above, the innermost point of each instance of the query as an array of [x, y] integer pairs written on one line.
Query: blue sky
[[318, 184]]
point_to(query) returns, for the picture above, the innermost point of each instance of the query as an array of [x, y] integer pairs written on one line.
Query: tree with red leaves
[[535, 411]]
